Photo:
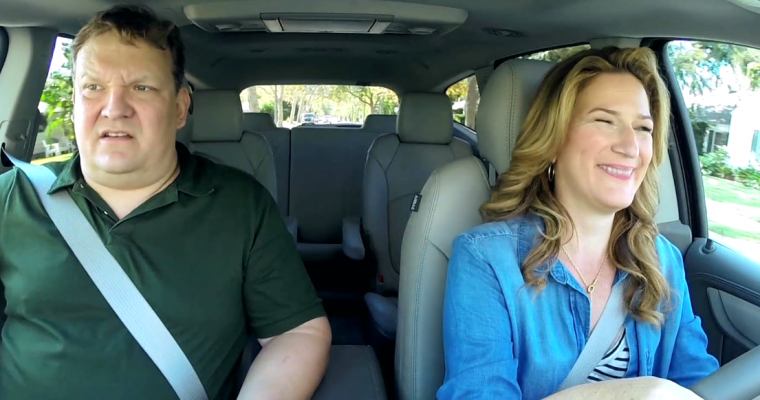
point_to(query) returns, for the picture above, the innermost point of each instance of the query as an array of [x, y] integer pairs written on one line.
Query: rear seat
[[326, 174], [376, 123], [279, 141], [398, 165], [217, 133], [353, 371]]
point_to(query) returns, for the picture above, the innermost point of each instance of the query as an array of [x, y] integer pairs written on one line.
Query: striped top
[[614, 364]]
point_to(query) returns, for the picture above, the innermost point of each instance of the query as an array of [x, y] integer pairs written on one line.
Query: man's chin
[[115, 167]]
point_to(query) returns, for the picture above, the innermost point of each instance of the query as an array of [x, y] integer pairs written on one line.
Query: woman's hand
[[643, 388]]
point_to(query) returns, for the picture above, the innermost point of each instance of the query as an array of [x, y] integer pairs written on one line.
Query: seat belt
[[114, 284], [601, 339]]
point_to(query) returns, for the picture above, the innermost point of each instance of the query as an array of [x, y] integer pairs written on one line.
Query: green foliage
[[557, 55], [716, 164], [748, 176], [58, 95], [457, 91], [268, 108], [697, 64]]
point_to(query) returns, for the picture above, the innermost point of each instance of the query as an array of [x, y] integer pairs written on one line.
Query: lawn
[[733, 210]]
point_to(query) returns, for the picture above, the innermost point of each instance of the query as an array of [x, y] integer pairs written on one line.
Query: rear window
[[294, 105]]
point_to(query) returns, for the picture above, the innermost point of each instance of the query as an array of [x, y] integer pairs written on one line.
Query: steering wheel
[[737, 380]]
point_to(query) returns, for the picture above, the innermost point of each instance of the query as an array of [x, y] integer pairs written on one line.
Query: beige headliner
[[406, 63]]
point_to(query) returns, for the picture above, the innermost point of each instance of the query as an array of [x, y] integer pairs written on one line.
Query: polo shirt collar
[[193, 180]]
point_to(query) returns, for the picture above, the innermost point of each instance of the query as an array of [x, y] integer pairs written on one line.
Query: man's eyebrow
[[615, 113]]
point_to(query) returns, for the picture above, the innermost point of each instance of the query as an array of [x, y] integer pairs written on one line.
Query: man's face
[[126, 108]]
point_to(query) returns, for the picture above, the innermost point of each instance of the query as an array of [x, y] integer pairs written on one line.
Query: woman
[[571, 219]]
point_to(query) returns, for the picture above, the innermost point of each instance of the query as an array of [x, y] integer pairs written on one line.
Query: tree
[[467, 90], [697, 65], [58, 96], [276, 93], [371, 96], [252, 98], [471, 102], [556, 55]]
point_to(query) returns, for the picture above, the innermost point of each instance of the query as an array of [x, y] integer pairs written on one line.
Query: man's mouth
[[115, 134]]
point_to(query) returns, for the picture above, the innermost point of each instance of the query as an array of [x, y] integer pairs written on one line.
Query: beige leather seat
[[279, 142], [397, 167], [218, 134], [449, 205], [380, 123]]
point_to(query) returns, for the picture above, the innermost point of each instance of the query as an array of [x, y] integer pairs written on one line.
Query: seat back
[[279, 141], [397, 167], [218, 135], [450, 204], [326, 168], [379, 123]]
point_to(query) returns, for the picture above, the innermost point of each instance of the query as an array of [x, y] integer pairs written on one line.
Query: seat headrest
[[380, 123], [425, 118], [218, 116], [504, 104], [257, 122]]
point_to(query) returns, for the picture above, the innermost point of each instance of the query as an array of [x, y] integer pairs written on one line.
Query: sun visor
[[326, 16]]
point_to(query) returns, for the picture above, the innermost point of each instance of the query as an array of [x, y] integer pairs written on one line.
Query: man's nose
[[117, 104]]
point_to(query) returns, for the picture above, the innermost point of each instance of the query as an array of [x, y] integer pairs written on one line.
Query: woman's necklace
[[589, 288]]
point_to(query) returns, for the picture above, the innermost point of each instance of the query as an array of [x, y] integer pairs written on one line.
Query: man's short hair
[[132, 23]]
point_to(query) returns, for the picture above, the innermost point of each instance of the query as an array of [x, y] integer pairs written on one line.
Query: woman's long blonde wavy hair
[[525, 187]]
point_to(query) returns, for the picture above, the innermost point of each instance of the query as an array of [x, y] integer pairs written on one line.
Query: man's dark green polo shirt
[[210, 253]]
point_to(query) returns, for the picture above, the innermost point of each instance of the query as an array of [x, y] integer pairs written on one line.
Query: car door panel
[[725, 292], [737, 319]]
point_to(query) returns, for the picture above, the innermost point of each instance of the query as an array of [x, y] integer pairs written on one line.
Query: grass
[[733, 210], [725, 191]]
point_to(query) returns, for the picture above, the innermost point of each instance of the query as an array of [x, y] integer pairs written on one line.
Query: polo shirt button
[[81, 185]]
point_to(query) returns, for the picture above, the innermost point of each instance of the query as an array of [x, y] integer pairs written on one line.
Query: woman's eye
[[91, 87], [604, 121], [142, 88], [646, 129]]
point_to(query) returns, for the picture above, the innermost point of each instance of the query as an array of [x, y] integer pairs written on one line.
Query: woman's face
[[608, 147]]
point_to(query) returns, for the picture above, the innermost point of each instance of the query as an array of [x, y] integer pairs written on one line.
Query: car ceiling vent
[[364, 17], [501, 32], [242, 26]]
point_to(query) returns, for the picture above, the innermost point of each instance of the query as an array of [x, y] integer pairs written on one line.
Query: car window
[[556, 55], [293, 105], [55, 130], [720, 84], [465, 97]]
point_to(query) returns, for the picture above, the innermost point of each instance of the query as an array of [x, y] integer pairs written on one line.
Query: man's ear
[[183, 106]]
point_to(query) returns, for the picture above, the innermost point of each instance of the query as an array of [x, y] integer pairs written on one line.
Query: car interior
[[374, 208]]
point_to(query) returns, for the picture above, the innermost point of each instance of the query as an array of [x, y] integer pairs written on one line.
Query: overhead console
[[326, 16]]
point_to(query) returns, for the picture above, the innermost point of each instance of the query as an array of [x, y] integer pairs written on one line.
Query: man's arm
[[290, 365], [284, 312]]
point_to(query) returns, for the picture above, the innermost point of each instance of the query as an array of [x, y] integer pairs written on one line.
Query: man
[[204, 244]]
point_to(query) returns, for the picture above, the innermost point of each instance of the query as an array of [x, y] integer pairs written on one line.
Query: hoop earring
[[550, 172]]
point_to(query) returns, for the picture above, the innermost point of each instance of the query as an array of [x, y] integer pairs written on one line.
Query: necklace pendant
[[591, 288]]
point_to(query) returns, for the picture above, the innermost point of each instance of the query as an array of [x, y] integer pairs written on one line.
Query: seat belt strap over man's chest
[[114, 284]]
